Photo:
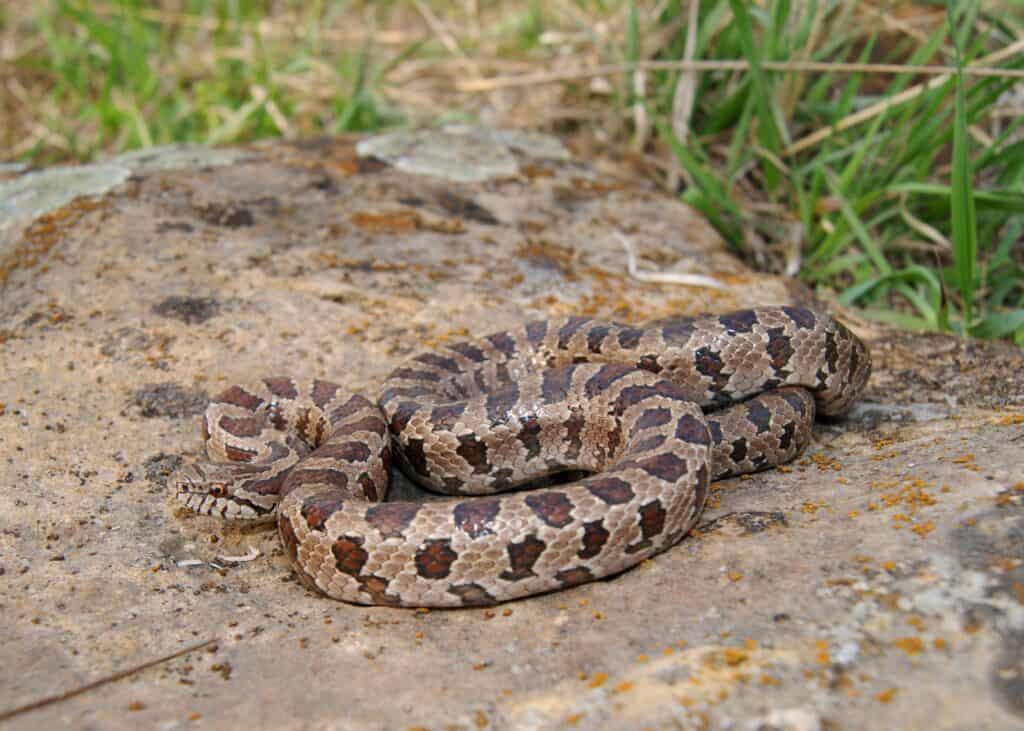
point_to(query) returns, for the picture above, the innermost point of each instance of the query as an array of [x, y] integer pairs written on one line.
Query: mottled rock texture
[[877, 583]]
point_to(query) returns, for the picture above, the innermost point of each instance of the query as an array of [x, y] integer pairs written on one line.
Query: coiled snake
[[621, 406]]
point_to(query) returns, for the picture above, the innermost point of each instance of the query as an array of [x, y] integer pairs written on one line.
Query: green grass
[[914, 214], [865, 195]]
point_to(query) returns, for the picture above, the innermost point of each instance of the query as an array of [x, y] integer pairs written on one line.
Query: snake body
[[644, 417]]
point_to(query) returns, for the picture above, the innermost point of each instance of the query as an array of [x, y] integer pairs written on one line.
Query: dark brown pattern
[[624, 402]]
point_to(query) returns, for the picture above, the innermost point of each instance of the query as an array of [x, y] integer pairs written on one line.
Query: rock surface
[[876, 583]]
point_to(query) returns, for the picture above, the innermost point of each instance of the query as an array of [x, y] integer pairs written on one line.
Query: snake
[[566, 450]]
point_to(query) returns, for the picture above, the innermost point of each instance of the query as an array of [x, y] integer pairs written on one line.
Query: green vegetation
[[902, 190]]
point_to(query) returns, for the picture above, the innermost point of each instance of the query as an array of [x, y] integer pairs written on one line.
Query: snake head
[[222, 490]]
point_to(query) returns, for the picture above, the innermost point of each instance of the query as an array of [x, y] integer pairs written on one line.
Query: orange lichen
[[886, 695], [597, 680], [910, 645], [821, 655]]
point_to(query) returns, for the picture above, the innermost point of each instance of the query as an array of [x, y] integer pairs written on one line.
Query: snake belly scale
[[645, 417]]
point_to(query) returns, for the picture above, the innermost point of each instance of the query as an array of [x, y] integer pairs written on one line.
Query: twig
[[446, 38], [694, 280], [50, 700], [251, 555], [556, 77], [905, 95]]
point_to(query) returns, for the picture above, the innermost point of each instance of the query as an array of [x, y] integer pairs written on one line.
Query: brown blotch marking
[[241, 426], [238, 396], [556, 383], [535, 331], [741, 321], [415, 457], [646, 445], [678, 331], [349, 555], [309, 427], [277, 418], [369, 487], [272, 485], [574, 434], [411, 374], [291, 549], [738, 449], [666, 466], [367, 423], [475, 516], [652, 522], [452, 485], [692, 430], [468, 350], [651, 418], [797, 401], [503, 343], [610, 490], [501, 401], [632, 395], [345, 451], [629, 337], [205, 426], [710, 364], [288, 538], [614, 438], [404, 391], [715, 428], [605, 377], [323, 392], [391, 519], [831, 352], [439, 361], [238, 454], [787, 436], [435, 559], [501, 479], [472, 595], [554, 508], [522, 556], [377, 588], [529, 435], [326, 476], [595, 535], [354, 405], [780, 349], [596, 336], [802, 318], [759, 415], [650, 363], [316, 509], [281, 387], [402, 414], [571, 327], [701, 489], [474, 451], [445, 415], [574, 576]]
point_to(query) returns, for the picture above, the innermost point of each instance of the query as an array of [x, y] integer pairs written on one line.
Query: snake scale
[[641, 420]]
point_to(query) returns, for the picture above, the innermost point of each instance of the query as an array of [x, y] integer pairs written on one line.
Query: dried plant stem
[[556, 77], [50, 700]]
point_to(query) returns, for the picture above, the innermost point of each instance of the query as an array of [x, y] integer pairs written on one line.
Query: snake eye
[[217, 490]]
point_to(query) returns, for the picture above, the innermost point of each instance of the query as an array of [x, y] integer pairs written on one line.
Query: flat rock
[[876, 583]]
